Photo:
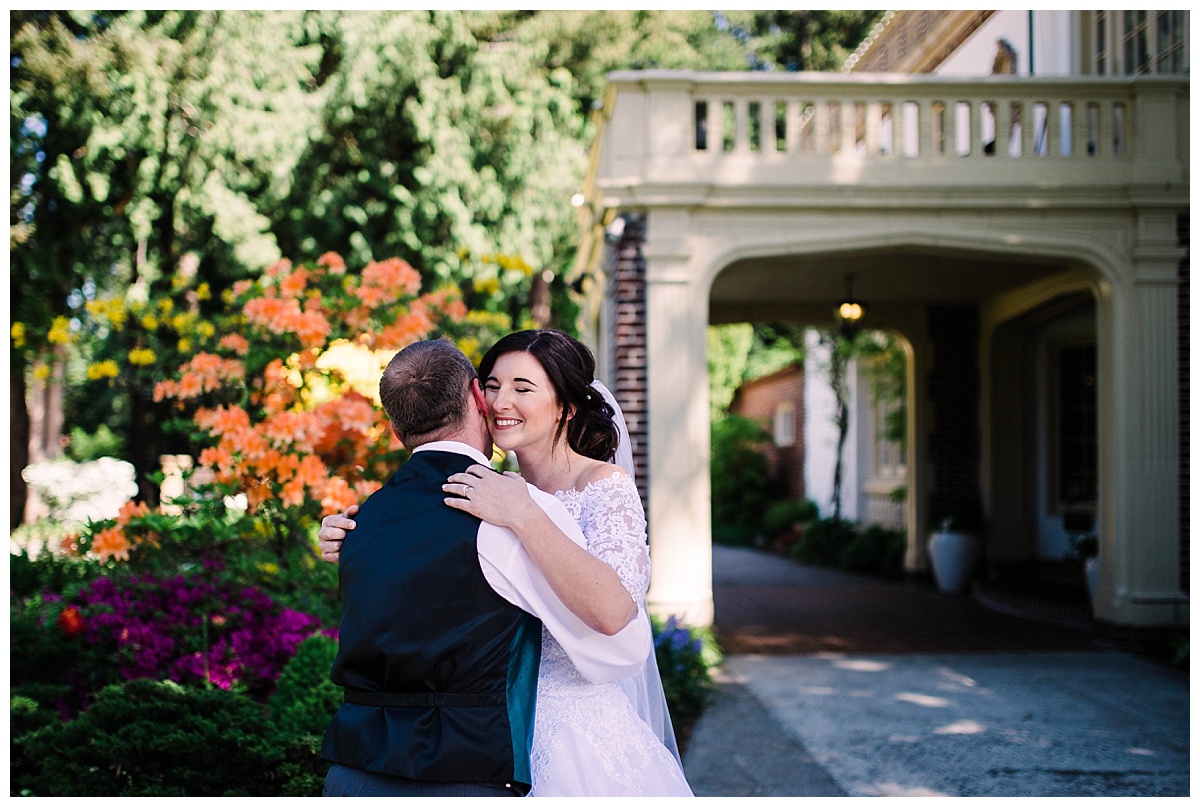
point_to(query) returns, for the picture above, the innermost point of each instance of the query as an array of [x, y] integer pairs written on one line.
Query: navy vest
[[439, 671]]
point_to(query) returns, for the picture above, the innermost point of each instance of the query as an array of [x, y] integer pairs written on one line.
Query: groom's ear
[[477, 396]]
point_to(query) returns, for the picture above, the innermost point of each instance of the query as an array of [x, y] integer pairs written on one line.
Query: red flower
[[71, 622]]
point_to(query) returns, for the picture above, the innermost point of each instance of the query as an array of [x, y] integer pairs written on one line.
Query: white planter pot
[[953, 555], [1091, 571]]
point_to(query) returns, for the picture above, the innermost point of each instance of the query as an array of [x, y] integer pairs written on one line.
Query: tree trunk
[[841, 417], [539, 300], [18, 448], [142, 445]]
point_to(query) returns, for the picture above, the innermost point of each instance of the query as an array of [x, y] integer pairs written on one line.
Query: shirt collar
[[454, 447]]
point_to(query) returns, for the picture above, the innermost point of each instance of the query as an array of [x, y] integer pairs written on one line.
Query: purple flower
[[192, 628]]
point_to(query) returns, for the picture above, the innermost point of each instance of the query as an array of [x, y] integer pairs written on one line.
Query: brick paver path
[[771, 605]]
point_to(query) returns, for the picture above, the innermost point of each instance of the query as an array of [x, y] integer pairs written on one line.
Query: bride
[[611, 739]]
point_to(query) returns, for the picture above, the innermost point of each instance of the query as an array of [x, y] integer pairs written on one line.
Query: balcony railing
[[667, 130]]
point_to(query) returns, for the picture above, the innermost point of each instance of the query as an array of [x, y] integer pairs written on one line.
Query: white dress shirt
[[510, 570]]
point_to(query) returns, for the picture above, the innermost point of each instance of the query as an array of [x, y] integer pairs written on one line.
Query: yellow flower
[[103, 369], [180, 322], [17, 332], [486, 285], [185, 345], [206, 330], [149, 323], [60, 331], [470, 347], [41, 371], [166, 305], [228, 296], [111, 310], [203, 292], [141, 356]]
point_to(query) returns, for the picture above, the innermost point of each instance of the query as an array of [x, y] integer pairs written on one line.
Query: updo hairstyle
[[571, 367]]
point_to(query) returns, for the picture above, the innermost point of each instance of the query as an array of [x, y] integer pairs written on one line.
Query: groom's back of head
[[425, 391]]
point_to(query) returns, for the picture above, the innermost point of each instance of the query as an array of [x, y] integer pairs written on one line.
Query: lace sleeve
[[615, 527]]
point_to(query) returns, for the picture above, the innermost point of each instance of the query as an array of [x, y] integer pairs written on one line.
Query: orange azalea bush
[[283, 429], [272, 419]]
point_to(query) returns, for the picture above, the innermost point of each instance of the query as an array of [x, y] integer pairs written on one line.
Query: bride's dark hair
[[571, 367]]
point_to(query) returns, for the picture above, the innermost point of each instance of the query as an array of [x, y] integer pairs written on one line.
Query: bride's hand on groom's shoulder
[[333, 532], [502, 499]]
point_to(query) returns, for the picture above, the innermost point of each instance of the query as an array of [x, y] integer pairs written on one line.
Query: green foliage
[[84, 447], [305, 698], [728, 351], [48, 571], [843, 544], [26, 715], [877, 551], [739, 475], [432, 142], [782, 517], [824, 542], [156, 738], [741, 352], [774, 346], [799, 40], [886, 365]]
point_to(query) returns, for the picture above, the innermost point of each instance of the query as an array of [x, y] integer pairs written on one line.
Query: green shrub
[[739, 478], [875, 550], [782, 517], [824, 541], [53, 665], [305, 698], [26, 714], [156, 738], [84, 447], [48, 571]]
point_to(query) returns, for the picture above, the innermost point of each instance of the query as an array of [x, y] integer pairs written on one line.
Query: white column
[[679, 517], [1139, 452]]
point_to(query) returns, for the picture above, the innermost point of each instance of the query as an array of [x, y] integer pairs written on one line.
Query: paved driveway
[[843, 685]]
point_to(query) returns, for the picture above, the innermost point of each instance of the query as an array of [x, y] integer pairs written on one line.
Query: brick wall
[[757, 400], [954, 444], [627, 291], [1183, 228]]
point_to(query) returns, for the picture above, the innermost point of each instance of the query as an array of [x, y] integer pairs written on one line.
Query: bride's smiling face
[[523, 408]]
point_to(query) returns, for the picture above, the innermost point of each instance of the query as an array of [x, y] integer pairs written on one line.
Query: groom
[[440, 637]]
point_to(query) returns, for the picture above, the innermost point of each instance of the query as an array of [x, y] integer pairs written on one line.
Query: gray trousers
[[346, 781]]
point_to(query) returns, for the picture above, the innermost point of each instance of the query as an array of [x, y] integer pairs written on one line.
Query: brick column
[[954, 443], [627, 291], [1183, 230]]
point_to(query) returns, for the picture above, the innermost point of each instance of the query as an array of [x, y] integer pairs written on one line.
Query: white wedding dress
[[588, 740]]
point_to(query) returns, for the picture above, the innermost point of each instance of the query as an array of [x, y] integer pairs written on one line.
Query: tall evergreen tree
[[138, 137]]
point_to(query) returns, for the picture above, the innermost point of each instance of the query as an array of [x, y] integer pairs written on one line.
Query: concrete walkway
[[867, 688]]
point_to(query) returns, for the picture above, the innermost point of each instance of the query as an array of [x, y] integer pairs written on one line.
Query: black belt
[[422, 700]]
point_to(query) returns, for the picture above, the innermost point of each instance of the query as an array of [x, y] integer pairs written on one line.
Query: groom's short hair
[[425, 390]]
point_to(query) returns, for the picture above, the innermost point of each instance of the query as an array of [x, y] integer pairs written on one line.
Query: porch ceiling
[[894, 277]]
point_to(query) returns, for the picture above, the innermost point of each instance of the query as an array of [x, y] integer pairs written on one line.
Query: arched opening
[[1043, 440], [938, 304]]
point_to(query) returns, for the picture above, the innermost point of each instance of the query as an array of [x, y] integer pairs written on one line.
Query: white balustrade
[[747, 129]]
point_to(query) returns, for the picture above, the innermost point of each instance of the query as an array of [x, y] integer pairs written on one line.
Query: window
[[1134, 43], [784, 424], [888, 453], [1169, 37]]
